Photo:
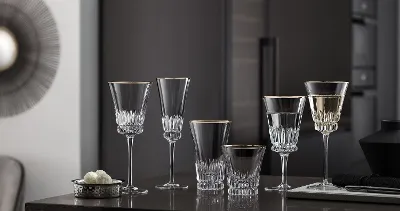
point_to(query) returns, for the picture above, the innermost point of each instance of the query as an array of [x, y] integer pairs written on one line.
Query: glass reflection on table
[[210, 200]]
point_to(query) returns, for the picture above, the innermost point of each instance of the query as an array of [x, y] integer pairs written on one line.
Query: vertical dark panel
[[387, 58], [247, 25], [145, 39], [315, 44]]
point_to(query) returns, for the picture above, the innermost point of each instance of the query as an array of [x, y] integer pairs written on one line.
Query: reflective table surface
[[191, 199]]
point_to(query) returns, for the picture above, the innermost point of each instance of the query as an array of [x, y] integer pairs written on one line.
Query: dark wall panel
[[146, 39]]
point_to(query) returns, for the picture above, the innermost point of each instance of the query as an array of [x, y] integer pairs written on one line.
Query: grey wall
[[145, 39], [89, 94], [246, 24]]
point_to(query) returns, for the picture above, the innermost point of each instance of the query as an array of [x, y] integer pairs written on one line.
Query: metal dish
[[97, 191]]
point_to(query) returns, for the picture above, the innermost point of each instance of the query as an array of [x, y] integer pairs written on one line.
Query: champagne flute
[[326, 100], [284, 118], [173, 93]]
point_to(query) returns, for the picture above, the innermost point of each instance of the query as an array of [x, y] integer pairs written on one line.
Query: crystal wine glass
[[173, 92], [284, 118], [130, 102], [326, 100]]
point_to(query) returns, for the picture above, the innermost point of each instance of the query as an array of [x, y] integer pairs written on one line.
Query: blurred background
[[223, 46]]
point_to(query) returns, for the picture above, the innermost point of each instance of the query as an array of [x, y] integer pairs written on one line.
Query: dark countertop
[[190, 200]]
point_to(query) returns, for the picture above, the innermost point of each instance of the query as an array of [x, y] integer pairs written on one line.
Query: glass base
[[171, 186], [243, 191], [210, 186], [281, 187], [323, 187], [134, 190]]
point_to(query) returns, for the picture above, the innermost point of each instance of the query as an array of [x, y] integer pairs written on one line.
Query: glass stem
[[326, 156], [284, 160], [130, 166], [171, 161]]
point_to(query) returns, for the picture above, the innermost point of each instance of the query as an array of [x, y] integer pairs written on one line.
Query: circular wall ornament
[[29, 54]]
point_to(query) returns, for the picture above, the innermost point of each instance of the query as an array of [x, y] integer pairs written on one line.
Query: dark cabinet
[[364, 7]]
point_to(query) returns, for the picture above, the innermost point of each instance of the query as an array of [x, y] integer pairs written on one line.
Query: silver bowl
[[97, 191]]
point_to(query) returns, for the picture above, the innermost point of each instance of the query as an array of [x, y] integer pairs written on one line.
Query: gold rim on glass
[[326, 82], [173, 78], [129, 82], [210, 121], [284, 96], [244, 146]]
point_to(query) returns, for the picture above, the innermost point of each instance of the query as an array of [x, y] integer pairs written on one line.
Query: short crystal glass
[[209, 136], [243, 165], [326, 101], [173, 93], [130, 103], [284, 118]]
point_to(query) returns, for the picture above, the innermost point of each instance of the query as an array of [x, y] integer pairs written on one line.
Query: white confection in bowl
[[90, 178]]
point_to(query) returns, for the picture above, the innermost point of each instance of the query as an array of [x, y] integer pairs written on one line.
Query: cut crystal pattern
[[172, 127], [210, 174], [243, 174], [129, 122]]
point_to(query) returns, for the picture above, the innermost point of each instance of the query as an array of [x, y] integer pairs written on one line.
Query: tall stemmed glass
[[130, 102], [326, 100], [284, 118], [173, 92]]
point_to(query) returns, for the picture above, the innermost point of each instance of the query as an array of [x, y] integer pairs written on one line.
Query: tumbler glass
[[209, 136], [243, 168]]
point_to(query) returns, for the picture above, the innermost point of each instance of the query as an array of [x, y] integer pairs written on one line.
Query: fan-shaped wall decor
[[29, 54]]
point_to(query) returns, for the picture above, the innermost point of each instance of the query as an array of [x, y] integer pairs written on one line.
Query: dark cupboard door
[[314, 44]]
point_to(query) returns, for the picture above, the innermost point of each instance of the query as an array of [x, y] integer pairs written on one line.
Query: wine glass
[[130, 102], [284, 118], [173, 92], [326, 100]]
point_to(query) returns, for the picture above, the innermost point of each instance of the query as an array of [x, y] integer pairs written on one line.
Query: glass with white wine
[[326, 101]]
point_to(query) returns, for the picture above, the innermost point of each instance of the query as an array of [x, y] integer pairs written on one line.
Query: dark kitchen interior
[[227, 49]]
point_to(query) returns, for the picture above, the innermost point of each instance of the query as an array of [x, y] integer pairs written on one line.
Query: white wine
[[284, 131], [326, 110]]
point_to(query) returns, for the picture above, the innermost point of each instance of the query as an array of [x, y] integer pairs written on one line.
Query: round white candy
[[90, 178]]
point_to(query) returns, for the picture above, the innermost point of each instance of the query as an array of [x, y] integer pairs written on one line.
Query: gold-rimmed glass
[[326, 101], [284, 115], [130, 103]]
